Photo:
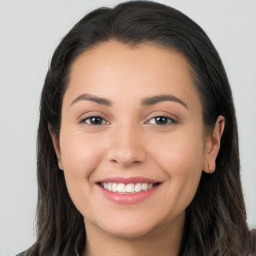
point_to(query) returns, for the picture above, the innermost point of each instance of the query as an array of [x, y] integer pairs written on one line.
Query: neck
[[164, 241]]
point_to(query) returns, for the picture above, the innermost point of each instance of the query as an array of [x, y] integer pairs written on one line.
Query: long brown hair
[[216, 218]]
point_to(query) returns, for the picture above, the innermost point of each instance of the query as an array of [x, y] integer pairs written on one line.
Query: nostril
[[125, 159]]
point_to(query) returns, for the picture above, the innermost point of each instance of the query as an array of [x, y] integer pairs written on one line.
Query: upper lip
[[127, 180]]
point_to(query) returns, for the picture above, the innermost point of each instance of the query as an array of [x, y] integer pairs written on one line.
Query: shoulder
[[25, 253], [21, 254], [253, 242]]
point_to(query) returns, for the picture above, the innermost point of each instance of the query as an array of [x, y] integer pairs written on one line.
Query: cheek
[[181, 158], [181, 153], [80, 157], [79, 153]]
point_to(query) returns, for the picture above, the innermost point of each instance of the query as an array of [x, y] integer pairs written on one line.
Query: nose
[[126, 147]]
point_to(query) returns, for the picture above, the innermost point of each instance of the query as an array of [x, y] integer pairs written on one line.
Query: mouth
[[129, 188]]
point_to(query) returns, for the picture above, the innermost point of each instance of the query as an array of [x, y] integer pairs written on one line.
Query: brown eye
[[161, 120], [94, 120]]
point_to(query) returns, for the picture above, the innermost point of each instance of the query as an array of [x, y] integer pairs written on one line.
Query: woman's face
[[132, 143]]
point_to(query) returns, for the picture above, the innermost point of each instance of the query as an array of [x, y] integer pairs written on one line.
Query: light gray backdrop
[[29, 32]]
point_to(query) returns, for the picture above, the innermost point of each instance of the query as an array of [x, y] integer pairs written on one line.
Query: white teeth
[[150, 185], [114, 187], [127, 188], [120, 188], [144, 186], [137, 187]]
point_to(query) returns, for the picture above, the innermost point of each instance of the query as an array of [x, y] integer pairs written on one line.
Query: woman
[[137, 141]]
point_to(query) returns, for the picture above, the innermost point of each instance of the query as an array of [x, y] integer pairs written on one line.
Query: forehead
[[133, 70]]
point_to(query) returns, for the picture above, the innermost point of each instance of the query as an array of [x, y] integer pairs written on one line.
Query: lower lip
[[131, 198]]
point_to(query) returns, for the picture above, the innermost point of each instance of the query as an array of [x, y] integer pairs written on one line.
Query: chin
[[131, 232], [126, 226]]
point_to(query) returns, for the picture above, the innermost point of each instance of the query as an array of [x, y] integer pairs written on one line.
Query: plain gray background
[[29, 32]]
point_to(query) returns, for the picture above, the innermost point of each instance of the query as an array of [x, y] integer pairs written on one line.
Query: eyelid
[[171, 120], [85, 116], [174, 118], [89, 117]]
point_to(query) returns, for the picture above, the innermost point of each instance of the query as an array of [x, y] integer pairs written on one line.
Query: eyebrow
[[145, 102], [90, 97], [159, 98]]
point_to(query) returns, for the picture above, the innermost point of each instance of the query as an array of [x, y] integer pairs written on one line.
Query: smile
[[127, 188]]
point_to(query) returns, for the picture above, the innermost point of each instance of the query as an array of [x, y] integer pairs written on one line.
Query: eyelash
[[167, 119], [102, 121], [90, 118]]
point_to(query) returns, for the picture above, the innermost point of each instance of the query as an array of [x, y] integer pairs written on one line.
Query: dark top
[[252, 245]]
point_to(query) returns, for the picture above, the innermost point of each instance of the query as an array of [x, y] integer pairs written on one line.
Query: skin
[[129, 142]]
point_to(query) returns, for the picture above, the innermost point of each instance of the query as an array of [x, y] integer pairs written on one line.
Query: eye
[[161, 120], [94, 120]]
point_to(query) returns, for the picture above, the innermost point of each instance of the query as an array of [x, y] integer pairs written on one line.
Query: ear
[[212, 145], [56, 145]]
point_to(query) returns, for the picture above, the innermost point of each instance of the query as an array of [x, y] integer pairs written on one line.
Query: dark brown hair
[[216, 218]]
